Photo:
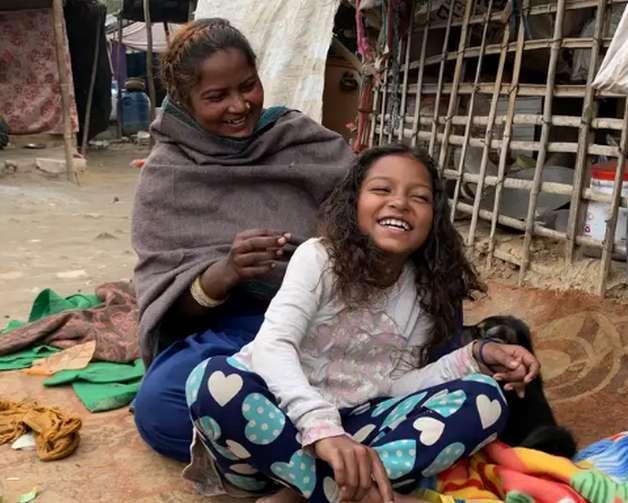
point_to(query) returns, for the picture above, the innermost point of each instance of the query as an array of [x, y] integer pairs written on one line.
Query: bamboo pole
[[394, 90], [506, 136], [374, 116], [383, 111], [611, 223], [545, 131], [406, 70], [488, 138], [441, 73], [121, 54], [62, 66], [584, 136], [149, 60], [453, 97], [90, 94], [470, 113], [419, 83]]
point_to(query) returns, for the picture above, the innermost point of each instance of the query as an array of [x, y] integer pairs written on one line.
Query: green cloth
[[99, 397], [102, 385], [50, 302], [24, 359]]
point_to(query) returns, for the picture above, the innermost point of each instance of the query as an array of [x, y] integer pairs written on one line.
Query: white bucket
[[602, 181]]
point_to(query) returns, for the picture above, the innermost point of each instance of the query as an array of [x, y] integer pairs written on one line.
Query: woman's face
[[228, 99]]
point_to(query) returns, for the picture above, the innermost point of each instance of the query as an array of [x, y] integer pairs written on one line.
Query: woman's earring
[[247, 105]]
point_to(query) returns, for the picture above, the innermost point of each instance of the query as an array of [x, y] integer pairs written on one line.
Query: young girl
[[334, 399]]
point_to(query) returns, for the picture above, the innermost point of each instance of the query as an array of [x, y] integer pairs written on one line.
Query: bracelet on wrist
[[480, 353], [201, 298]]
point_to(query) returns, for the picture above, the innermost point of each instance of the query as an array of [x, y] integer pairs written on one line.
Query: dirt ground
[[73, 238]]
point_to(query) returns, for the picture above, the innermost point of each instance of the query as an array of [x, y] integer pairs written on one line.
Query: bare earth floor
[[54, 234]]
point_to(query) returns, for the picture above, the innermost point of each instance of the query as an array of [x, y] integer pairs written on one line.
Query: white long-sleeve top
[[317, 355]]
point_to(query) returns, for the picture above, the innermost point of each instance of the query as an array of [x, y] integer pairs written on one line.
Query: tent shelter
[[60, 50]]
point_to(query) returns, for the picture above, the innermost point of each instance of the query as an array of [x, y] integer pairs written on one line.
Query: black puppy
[[531, 422]]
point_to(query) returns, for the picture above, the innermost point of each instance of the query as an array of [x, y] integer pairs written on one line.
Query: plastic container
[[602, 181], [134, 112]]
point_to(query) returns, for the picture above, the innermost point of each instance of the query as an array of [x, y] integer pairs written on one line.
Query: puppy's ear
[[503, 333]]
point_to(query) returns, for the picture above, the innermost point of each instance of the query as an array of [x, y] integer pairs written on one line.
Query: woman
[[227, 192]]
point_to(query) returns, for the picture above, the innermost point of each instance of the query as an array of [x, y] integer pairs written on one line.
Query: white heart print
[[489, 410], [431, 429], [363, 433], [223, 388], [331, 490]]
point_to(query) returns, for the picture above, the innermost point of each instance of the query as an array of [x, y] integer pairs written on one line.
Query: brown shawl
[[196, 191]]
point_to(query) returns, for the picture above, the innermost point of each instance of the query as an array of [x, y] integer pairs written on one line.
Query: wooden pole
[[121, 54], [419, 83], [62, 65], [506, 136], [149, 60], [441, 72], [382, 124], [611, 223], [545, 131], [90, 94], [470, 112], [404, 90], [453, 97], [585, 137]]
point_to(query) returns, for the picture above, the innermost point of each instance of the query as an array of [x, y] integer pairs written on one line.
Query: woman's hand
[[254, 252], [511, 363], [355, 467]]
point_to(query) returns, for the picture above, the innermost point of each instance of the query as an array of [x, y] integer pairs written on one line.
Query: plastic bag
[[613, 73]]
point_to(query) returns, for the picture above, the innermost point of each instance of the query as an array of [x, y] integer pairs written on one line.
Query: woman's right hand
[[355, 466], [254, 252]]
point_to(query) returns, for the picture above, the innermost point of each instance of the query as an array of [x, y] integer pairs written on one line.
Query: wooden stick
[[441, 72], [584, 137], [506, 135], [121, 54], [611, 223], [471, 111], [404, 90], [419, 83], [545, 131], [374, 116], [62, 66], [383, 112], [453, 97], [90, 94], [149, 60], [395, 91]]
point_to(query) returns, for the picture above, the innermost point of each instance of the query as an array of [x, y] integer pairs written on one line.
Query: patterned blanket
[[499, 473]]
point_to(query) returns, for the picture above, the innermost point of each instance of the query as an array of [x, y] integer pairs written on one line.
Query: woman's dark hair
[[444, 276], [191, 46]]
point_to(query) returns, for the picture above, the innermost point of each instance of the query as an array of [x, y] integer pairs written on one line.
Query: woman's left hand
[[511, 363]]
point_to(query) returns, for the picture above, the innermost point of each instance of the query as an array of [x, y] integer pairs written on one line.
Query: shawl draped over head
[[197, 191]]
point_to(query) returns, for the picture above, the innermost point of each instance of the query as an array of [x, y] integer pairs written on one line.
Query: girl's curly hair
[[191, 46], [444, 276]]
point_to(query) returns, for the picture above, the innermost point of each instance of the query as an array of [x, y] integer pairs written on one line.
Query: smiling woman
[[227, 192]]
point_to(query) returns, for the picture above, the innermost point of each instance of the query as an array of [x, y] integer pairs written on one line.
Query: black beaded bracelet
[[482, 343]]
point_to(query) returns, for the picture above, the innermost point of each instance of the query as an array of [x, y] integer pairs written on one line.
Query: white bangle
[[199, 295]]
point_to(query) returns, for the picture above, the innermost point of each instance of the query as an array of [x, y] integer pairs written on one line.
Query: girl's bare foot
[[285, 495]]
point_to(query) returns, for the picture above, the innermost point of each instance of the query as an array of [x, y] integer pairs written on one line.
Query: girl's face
[[395, 206], [228, 99]]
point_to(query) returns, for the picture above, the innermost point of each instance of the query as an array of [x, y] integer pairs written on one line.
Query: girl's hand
[[355, 467], [510, 363]]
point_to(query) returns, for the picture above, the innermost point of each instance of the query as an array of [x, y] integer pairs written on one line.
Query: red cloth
[[30, 95]]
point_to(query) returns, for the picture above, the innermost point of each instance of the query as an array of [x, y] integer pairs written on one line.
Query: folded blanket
[[517, 475], [56, 433], [113, 325]]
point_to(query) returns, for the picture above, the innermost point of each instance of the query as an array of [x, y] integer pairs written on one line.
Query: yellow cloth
[[56, 433]]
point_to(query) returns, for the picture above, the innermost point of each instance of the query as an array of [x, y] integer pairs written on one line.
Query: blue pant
[[256, 446], [169, 431]]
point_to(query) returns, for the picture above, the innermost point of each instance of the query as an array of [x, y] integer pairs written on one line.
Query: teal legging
[[256, 447]]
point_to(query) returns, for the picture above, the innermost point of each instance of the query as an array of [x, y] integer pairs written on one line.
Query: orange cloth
[[56, 433]]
